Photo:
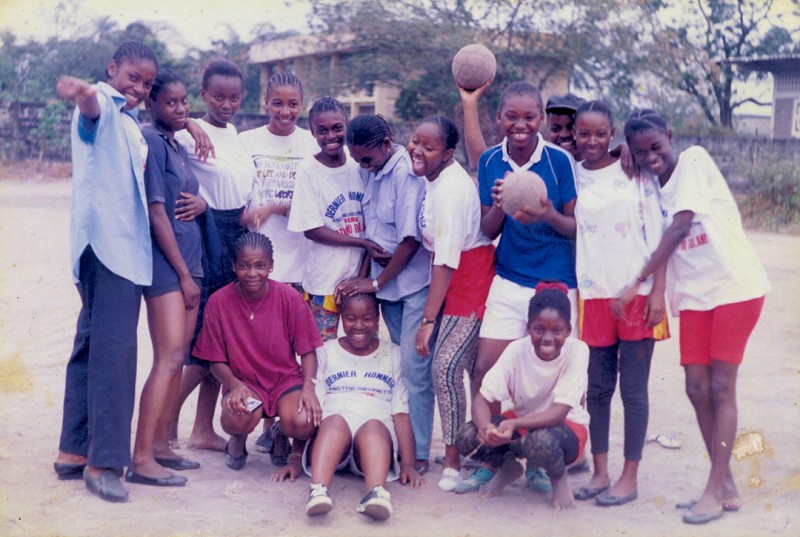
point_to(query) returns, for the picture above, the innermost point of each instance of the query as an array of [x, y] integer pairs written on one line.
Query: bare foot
[[507, 473], [707, 504], [562, 494], [150, 468], [598, 482], [213, 442], [622, 488]]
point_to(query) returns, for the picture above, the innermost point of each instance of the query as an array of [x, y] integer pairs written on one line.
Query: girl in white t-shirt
[[365, 425], [326, 208], [543, 376], [225, 179], [462, 271], [715, 283], [277, 149], [619, 225]]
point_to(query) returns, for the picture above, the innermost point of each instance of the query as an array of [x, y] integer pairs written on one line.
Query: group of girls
[[406, 233]]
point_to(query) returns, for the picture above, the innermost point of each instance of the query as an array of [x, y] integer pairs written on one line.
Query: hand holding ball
[[473, 66], [523, 188]]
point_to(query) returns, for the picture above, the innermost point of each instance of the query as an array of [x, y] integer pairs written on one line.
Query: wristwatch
[[375, 285]]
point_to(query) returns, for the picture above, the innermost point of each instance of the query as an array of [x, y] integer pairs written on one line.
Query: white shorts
[[354, 422], [506, 316]]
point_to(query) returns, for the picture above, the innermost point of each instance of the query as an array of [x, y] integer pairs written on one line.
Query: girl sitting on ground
[[365, 407]]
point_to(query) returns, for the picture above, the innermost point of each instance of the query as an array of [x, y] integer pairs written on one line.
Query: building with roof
[[322, 62], [785, 70]]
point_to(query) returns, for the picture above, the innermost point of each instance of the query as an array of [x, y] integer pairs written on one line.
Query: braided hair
[[370, 297], [283, 78], [447, 128], [325, 104], [252, 240], [368, 131], [643, 120], [595, 106], [164, 78], [134, 49]]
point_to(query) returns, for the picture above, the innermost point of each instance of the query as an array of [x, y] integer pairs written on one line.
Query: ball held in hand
[[473, 66], [523, 188]]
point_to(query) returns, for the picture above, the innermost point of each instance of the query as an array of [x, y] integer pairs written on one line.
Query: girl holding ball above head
[[392, 201], [715, 284], [463, 266], [617, 220], [327, 208]]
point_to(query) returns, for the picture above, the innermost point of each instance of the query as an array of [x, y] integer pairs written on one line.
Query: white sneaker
[[450, 478], [318, 502], [376, 504]]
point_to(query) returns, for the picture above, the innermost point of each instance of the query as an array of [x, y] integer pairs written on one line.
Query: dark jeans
[[101, 374], [550, 448], [631, 359], [228, 229]]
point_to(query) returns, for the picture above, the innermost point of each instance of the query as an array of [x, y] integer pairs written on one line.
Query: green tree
[[688, 45]]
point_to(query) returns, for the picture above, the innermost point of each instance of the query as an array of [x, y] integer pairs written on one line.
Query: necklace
[[246, 305]]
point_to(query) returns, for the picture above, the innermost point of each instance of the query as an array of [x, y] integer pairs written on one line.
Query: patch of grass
[[772, 202]]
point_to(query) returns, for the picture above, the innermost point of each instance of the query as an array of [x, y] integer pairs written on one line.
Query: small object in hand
[[523, 188], [253, 403], [473, 66]]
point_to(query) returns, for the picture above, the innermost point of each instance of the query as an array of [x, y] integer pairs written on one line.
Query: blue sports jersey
[[530, 253]]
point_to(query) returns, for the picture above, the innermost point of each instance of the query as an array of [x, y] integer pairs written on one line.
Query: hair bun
[[558, 286]]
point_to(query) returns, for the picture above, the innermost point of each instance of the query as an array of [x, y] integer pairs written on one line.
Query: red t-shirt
[[261, 353]]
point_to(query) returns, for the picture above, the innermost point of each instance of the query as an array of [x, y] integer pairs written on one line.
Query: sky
[[199, 21]]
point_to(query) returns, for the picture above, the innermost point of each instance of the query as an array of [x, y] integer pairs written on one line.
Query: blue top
[[392, 202], [165, 177], [109, 208], [527, 254]]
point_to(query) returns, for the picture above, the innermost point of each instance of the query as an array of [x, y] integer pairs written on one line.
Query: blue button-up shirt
[[109, 207], [392, 201]]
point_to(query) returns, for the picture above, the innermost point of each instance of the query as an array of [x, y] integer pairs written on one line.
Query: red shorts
[[469, 286], [719, 334], [599, 327]]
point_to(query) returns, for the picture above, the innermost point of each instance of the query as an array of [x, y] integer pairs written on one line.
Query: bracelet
[[640, 278], [375, 285], [427, 321]]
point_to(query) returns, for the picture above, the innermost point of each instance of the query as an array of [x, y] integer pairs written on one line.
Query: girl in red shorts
[[715, 283]]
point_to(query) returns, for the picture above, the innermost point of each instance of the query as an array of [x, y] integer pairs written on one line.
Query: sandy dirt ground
[[37, 320]]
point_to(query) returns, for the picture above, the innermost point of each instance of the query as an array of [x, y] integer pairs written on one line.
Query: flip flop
[[585, 493], [607, 500], [666, 441], [729, 507], [701, 518]]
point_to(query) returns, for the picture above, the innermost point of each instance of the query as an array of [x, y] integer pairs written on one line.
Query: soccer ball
[[523, 188], [473, 65]]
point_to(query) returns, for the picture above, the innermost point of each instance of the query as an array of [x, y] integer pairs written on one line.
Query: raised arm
[[82, 94], [473, 136]]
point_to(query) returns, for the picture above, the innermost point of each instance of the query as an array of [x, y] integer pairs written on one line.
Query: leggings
[[456, 349], [631, 359], [550, 448]]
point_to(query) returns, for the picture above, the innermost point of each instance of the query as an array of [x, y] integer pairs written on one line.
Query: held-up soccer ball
[[473, 65], [521, 188]]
